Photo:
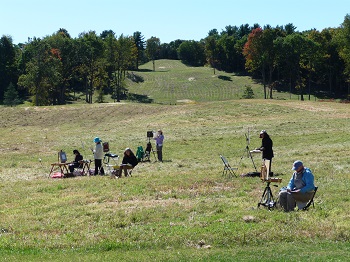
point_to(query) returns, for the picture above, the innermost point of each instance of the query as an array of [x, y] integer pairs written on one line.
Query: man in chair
[[300, 188]]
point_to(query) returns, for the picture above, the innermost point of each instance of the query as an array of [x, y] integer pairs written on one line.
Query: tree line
[[52, 70]]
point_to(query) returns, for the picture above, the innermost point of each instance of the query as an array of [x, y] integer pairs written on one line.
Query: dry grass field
[[182, 209]]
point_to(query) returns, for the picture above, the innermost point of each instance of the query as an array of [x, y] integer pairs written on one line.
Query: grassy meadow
[[175, 83], [182, 209]]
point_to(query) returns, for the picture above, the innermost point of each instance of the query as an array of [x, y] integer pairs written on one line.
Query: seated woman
[[75, 163], [300, 188], [129, 162]]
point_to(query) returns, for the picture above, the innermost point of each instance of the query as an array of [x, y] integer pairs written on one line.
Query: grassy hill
[[174, 83], [182, 209]]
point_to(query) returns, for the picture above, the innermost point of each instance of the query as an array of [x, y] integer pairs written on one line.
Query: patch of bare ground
[[185, 101]]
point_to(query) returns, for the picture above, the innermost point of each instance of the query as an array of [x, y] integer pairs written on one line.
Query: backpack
[[105, 146]]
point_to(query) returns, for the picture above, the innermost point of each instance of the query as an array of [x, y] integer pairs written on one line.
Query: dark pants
[[125, 168], [289, 200], [160, 153], [99, 167], [72, 166]]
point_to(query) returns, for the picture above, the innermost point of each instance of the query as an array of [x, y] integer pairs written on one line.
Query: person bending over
[[300, 188], [129, 162]]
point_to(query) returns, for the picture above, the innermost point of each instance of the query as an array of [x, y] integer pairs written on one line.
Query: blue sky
[[167, 20]]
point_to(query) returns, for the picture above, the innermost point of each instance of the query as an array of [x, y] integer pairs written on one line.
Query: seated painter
[[77, 161], [129, 162], [300, 188]]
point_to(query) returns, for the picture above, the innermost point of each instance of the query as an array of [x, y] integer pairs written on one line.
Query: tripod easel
[[267, 199], [247, 151], [148, 151]]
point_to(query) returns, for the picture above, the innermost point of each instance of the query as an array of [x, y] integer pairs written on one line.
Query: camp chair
[[311, 201], [112, 163], [228, 170]]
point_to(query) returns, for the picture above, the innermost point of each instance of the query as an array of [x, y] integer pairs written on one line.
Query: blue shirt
[[307, 179]]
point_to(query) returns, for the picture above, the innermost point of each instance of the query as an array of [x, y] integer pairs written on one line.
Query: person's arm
[[290, 185], [308, 178]]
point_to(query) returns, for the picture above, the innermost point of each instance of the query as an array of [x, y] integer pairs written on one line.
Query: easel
[[267, 199], [148, 151], [247, 151]]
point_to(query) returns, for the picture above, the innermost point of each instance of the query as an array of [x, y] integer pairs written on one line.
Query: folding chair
[[228, 170], [311, 201], [112, 163]]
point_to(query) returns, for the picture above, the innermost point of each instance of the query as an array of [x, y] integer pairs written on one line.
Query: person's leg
[[102, 171], [283, 200], [120, 171], [287, 202], [96, 167], [160, 153], [125, 168], [290, 202]]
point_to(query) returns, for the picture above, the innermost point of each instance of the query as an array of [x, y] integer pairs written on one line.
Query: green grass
[[175, 83], [182, 209]]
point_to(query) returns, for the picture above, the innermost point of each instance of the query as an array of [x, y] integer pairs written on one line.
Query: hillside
[[182, 209], [174, 83]]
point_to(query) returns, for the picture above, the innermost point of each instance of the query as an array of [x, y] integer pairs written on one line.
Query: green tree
[[192, 53], [212, 50], [260, 52], [41, 75], [139, 41], [63, 48], [256, 59], [120, 56], [343, 40], [125, 56], [90, 48], [152, 49], [11, 97], [8, 65]]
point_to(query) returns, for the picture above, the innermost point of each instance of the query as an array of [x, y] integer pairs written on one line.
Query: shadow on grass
[[144, 70], [225, 78], [135, 77], [139, 98]]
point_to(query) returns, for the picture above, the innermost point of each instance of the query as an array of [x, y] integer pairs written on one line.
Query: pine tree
[[11, 96]]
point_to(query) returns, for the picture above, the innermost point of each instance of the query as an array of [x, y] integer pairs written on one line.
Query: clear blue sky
[[167, 20]]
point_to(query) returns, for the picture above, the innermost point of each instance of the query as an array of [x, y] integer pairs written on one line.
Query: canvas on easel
[[62, 157]]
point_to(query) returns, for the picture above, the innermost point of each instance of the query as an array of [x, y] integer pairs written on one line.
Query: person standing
[[98, 156], [159, 144], [300, 188], [266, 147]]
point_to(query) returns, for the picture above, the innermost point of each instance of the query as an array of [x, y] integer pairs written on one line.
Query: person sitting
[[129, 162], [77, 161], [299, 189]]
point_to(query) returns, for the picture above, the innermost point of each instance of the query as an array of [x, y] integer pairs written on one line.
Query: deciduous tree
[[152, 49]]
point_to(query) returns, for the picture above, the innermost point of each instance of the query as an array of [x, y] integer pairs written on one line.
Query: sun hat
[[97, 139], [297, 164]]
